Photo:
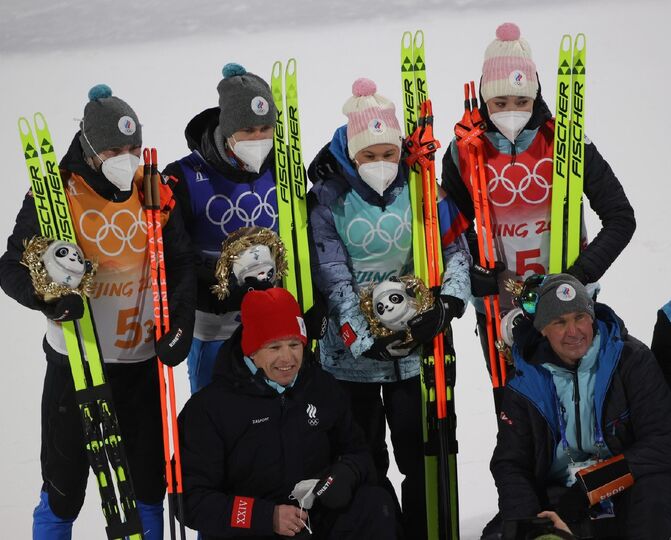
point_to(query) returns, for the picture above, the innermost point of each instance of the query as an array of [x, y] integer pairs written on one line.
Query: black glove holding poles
[[425, 326], [173, 347], [485, 281]]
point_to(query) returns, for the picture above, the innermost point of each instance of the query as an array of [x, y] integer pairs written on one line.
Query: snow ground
[[170, 74]]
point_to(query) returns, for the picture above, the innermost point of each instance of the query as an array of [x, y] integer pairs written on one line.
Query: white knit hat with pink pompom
[[371, 118], [508, 69]]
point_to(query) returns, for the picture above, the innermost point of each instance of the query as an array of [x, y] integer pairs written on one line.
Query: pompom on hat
[[109, 122], [508, 69], [268, 316], [371, 118], [245, 100]]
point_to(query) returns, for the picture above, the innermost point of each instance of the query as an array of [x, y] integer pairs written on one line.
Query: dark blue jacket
[[633, 409]]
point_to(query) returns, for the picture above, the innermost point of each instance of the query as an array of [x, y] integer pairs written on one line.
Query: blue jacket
[[338, 201], [217, 198], [632, 407]]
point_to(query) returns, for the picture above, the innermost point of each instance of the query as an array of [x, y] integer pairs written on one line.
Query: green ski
[[577, 150], [104, 446], [568, 161], [291, 183], [442, 515]]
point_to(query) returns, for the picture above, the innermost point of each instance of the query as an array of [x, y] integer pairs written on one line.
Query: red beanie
[[268, 316]]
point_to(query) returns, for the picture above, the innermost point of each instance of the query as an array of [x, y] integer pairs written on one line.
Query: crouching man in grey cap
[[585, 425]]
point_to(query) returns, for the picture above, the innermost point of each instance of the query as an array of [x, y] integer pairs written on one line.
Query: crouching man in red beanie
[[269, 447]]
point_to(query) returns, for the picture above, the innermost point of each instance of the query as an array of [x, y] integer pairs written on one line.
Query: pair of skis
[[291, 183], [437, 368], [173, 469], [102, 435], [569, 152], [469, 133]]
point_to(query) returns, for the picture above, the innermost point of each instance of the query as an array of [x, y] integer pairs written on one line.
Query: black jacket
[[602, 188], [636, 415], [661, 341], [240, 439], [15, 278]]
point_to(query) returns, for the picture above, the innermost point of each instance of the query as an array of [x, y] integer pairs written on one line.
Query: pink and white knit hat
[[371, 118], [508, 69]]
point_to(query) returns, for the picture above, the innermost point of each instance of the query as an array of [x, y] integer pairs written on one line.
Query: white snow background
[[165, 59]]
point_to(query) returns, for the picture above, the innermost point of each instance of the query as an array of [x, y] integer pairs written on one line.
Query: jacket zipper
[[576, 402]]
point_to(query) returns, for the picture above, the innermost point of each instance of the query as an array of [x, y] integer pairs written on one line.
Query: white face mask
[[510, 123], [378, 174], [252, 153], [120, 170]]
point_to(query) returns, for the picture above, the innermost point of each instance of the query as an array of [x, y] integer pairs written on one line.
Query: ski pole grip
[[146, 178]]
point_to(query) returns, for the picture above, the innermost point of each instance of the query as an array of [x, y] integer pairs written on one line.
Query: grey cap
[[109, 122], [558, 295], [245, 100]]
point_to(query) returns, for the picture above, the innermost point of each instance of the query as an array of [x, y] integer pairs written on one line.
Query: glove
[[508, 323], [316, 318], [484, 281], [335, 490], [66, 308], [389, 348], [534, 527], [237, 292], [174, 346], [594, 484], [425, 326]]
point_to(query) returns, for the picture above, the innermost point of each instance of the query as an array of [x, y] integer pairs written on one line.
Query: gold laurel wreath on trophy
[[423, 299], [44, 287], [240, 240]]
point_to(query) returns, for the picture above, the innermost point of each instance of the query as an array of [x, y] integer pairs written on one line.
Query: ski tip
[[233, 70], [566, 43], [291, 66], [580, 41], [40, 121], [277, 69], [418, 41], [406, 40], [24, 126]]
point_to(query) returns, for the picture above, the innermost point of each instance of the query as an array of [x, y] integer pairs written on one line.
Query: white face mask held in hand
[[120, 170], [252, 153], [510, 123], [302, 493], [378, 174]]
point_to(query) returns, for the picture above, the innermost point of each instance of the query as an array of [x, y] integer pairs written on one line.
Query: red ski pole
[[173, 472], [469, 135]]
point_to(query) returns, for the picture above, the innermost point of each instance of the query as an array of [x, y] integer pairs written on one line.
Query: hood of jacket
[[334, 172], [199, 134]]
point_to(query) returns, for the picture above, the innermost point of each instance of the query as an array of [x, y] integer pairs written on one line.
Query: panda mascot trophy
[[57, 268], [390, 304]]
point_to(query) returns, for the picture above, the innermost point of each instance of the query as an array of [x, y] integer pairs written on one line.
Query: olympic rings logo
[[259, 208], [377, 239], [112, 237], [533, 188]]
